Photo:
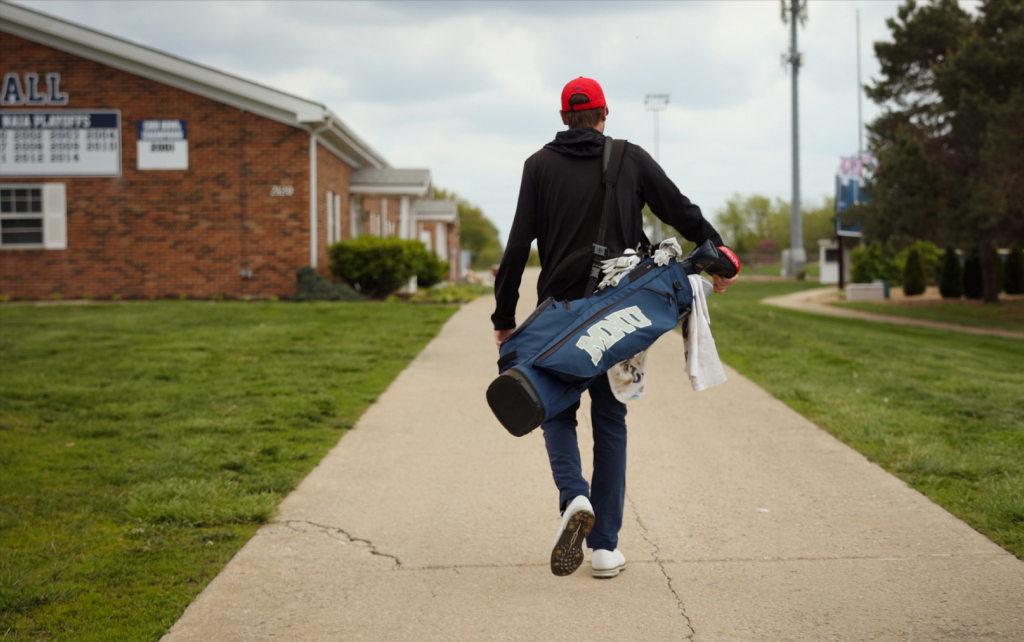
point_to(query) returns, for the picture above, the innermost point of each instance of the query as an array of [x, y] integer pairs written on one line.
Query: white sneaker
[[605, 563], [577, 520]]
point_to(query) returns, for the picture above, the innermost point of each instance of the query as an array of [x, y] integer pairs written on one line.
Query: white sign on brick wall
[[60, 143], [162, 144]]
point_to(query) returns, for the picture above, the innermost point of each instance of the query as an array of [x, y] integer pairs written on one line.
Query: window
[[333, 218], [355, 209], [330, 218], [33, 216], [337, 217]]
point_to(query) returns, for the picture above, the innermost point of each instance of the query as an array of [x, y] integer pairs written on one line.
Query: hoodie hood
[[585, 142]]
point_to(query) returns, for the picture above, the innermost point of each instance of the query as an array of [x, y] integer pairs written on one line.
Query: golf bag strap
[[613, 152]]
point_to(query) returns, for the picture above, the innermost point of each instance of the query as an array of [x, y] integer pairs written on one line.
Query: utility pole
[[860, 95], [795, 12], [656, 103]]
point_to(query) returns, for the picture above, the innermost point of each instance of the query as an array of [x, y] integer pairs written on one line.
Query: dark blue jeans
[[607, 490]]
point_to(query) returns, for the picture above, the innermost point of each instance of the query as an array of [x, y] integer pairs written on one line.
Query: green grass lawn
[[943, 410], [1006, 315], [775, 269], [141, 445]]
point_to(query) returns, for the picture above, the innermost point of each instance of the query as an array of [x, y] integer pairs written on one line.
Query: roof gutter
[[314, 237]]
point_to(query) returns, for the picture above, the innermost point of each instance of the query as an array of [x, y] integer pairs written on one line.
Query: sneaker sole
[[608, 573], [567, 555]]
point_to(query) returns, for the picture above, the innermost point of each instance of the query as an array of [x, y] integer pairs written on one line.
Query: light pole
[[656, 103], [795, 12]]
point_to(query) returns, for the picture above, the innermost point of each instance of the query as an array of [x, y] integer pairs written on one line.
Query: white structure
[[828, 260]]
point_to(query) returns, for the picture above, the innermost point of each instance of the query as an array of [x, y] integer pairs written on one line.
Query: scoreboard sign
[[60, 143], [162, 144]]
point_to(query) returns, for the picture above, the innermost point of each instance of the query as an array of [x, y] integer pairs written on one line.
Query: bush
[[913, 274], [379, 266], [951, 282], [874, 262], [430, 269], [974, 287], [314, 287], [1013, 273], [931, 260]]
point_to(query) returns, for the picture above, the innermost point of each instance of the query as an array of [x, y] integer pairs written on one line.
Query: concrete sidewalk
[[744, 522], [820, 300]]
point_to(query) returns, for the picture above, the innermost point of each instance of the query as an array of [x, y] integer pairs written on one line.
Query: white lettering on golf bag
[[607, 332]]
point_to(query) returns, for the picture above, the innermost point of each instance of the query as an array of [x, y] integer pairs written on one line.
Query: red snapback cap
[[589, 88]]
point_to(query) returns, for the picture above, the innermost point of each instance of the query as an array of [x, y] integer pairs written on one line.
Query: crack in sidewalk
[[333, 531], [661, 565]]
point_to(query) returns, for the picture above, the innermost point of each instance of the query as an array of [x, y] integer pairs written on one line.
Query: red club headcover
[[731, 256]]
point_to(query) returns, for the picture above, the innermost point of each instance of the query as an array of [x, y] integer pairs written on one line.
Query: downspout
[[314, 243]]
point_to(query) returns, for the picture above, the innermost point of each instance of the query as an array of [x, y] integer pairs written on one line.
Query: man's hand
[[722, 284], [501, 335]]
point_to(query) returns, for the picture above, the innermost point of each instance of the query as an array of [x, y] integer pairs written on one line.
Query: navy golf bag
[[558, 351]]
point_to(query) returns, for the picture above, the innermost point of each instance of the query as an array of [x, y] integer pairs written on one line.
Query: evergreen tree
[[950, 139], [951, 284], [913, 274], [1014, 273], [973, 286]]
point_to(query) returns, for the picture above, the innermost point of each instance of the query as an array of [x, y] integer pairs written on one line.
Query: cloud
[[470, 89]]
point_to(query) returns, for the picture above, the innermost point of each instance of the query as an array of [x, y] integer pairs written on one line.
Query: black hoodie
[[560, 202]]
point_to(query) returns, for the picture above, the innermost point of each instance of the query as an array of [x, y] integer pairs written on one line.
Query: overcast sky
[[471, 89]]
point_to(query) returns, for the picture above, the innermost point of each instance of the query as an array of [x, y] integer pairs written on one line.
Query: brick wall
[[333, 175], [455, 270], [168, 233]]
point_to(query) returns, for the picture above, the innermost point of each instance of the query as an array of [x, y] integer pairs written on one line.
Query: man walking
[[560, 205]]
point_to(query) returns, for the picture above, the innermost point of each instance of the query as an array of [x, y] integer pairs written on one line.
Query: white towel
[[628, 379], [702, 362]]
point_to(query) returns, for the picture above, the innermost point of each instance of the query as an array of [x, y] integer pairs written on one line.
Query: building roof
[[192, 77], [445, 211], [411, 182]]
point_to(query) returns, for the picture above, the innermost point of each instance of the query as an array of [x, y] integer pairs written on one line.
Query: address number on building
[[282, 190]]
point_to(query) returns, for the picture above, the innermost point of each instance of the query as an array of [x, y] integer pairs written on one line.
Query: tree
[[974, 287], [476, 232], [748, 224], [951, 285], [913, 274], [950, 140], [1014, 273]]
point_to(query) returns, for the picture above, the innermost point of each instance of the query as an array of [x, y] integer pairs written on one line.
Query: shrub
[[874, 262], [913, 274], [931, 260], [1013, 273], [379, 266], [430, 269], [314, 287], [974, 287], [951, 282]]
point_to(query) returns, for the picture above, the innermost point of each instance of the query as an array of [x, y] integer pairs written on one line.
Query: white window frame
[[355, 208], [330, 217], [53, 214], [337, 218]]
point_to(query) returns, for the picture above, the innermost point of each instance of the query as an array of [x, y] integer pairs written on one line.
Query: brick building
[[130, 172]]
